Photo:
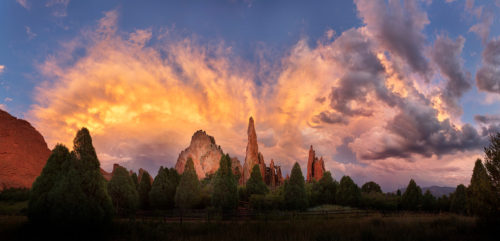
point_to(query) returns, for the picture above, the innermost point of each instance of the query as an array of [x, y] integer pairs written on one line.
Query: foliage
[[371, 187], [379, 201], [412, 197], [15, 194], [443, 203], [121, 189], [135, 179], [163, 189], [71, 188], [270, 201], [225, 186], [428, 201], [459, 200], [323, 191], [187, 194], [492, 161], [255, 184], [144, 189], [348, 192], [295, 192], [480, 193]]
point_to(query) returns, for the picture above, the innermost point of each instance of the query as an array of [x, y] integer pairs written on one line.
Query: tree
[[79, 195], [480, 193], [40, 205], [135, 180], [428, 201], [412, 197], [255, 184], [348, 193], [187, 194], [459, 200], [371, 187], [225, 186], [492, 161], [124, 195], [295, 192], [323, 191], [163, 189], [144, 189]]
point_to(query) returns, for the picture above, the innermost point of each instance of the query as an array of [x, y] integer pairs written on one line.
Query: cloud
[[488, 75], [142, 95], [7, 99], [446, 55], [24, 4], [58, 7], [30, 33], [2, 68], [398, 28]]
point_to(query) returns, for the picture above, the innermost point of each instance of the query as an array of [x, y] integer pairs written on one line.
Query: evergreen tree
[[348, 193], [187, 194], [428, 201], [123, 193], [255, 184], [225, 187], [323, 191], [480, 193], [40, 205], [295, 192], [135, 180], [459, 200], [163, 190], [144, 189], [412, 197], [492, 164], [371, 187]]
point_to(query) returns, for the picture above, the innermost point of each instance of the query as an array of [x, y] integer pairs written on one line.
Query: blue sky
[[264, 36]]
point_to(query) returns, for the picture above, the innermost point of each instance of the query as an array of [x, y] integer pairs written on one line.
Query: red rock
[[206, 155], [23, 152], [272, 177], [253, 156], [279, 176], [141, 172], [106, 175], [315, 167]]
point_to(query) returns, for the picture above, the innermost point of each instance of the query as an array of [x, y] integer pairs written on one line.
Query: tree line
[[71, 189]]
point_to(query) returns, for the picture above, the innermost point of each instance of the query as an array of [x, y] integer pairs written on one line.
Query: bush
[[15, 194]]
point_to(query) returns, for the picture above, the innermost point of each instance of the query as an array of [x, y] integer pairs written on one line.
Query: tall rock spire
[[253, 156], [310, 164], [315, 167]]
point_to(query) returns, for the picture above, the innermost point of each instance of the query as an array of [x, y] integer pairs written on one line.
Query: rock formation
[[141, 172], [206, 155], [253, 156], [23, 152], [315, 167]]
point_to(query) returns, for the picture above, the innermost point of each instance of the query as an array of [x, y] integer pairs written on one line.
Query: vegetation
[[162, 192], [480, 193], [348, 193], [412, 197], [295, 191], [225, 187], [371, 187], [122, 190], [188, 192], [323, 191], [144, 188], [459, 200], [255, 184]]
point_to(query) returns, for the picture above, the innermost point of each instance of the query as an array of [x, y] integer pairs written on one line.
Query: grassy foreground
[[376, 227]]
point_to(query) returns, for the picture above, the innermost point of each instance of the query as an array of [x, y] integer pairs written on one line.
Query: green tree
[[348, 192], [480, 193], [412, 197], [123, 193], [323, 191], [225, 186], [40, 205], [187, 194], [163, 190], [371, 187], [428, 201], [459, 200], [255, 184], [135, 180], [295, 191], [492, 164], [144, 189]]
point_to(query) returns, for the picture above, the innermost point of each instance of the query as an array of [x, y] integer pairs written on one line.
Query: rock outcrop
[[315, 167], [273, 175], [141, 173], [23, 152], [206, 155], [253, 156]]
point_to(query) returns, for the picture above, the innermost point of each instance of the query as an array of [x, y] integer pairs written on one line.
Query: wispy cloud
[[24, 3], [58, 7], [31, 34], [2, 68]]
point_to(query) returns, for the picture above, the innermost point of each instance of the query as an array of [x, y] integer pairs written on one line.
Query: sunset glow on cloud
[[381, 101]]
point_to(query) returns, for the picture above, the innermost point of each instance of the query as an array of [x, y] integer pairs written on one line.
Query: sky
[[384, 90]]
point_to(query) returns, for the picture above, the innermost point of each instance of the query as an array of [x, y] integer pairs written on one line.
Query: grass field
[[375, 227]]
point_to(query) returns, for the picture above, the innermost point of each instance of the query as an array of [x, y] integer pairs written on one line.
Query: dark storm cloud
[[488, 76], [446, 55], [398, 28], [331, 117]]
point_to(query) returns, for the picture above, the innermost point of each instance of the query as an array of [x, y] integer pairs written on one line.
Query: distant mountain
[[436, 191]]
